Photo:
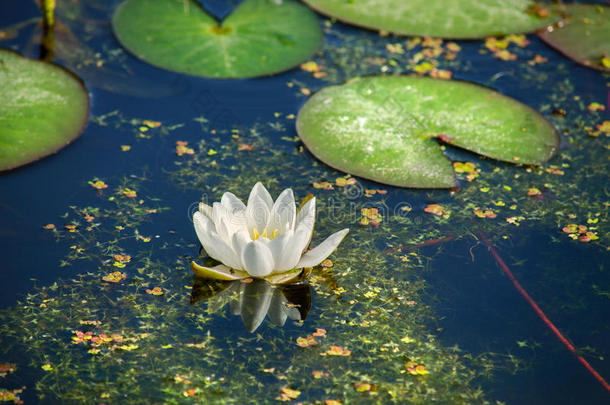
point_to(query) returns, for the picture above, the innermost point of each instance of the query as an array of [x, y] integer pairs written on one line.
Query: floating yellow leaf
[[183, 149], [362, 386], [288, 394], [306, 341], [407, 339], [465, 167], [114, 277], [484, 213], [98, 184], [336, 351], [533, 191], [151, 124], [154, 291]]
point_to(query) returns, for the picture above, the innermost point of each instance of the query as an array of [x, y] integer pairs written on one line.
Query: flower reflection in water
[[253, 299]]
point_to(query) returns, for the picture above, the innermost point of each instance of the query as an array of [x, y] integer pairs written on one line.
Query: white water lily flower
[[264, 239]]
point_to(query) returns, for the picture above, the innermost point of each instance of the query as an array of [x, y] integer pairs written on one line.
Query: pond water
[[414, 310]]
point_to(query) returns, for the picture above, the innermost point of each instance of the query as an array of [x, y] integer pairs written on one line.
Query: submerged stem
[[47, 42]]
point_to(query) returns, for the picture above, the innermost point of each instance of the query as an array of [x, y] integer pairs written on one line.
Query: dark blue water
[[475, 305]]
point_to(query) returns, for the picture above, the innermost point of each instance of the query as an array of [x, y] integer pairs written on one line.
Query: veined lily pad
[[42, 108], [260, 37], [384, 128], [584, 35], [446, 18]]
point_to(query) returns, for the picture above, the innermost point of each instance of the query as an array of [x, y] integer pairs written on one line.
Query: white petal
[[237, 222], [279, 247], [212, 243], [306, 219], [283, 213], [205, 209], [260, 191], [307, 212], [220, 217], [323, 250], [295, 247], [236, 210], [238, 242], [257, 259], [306, 226], [232, 203], [203, 225], [257, 215]]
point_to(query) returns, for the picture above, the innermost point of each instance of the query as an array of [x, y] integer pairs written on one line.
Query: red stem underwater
[[541, 314]]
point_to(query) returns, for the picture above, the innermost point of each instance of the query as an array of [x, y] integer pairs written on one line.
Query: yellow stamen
[[265, 234]]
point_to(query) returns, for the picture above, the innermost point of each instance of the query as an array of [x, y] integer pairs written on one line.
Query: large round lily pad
[[440, 18], [42, 108], [259, 37], [385, 128], [584, 35]]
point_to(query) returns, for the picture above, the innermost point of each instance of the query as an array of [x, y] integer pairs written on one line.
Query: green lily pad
[[260, 37], [446, 18], [385, 128], [43, 107], [584, 35]]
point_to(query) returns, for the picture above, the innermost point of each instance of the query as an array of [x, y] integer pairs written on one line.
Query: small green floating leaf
[[42, 108], [384, 128], [260, 37], [584, 35], [446, 18]]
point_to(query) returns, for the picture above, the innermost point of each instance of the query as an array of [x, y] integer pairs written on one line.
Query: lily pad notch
[[259, 38], [43, 107], [385, 128]]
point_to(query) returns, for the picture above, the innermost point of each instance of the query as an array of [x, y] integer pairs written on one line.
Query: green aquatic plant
[[44, 108], [448, 19], [385, 128], [264, 239], [71, 42], [48, 12], [260, 37], [582, 35], [47, 41]]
